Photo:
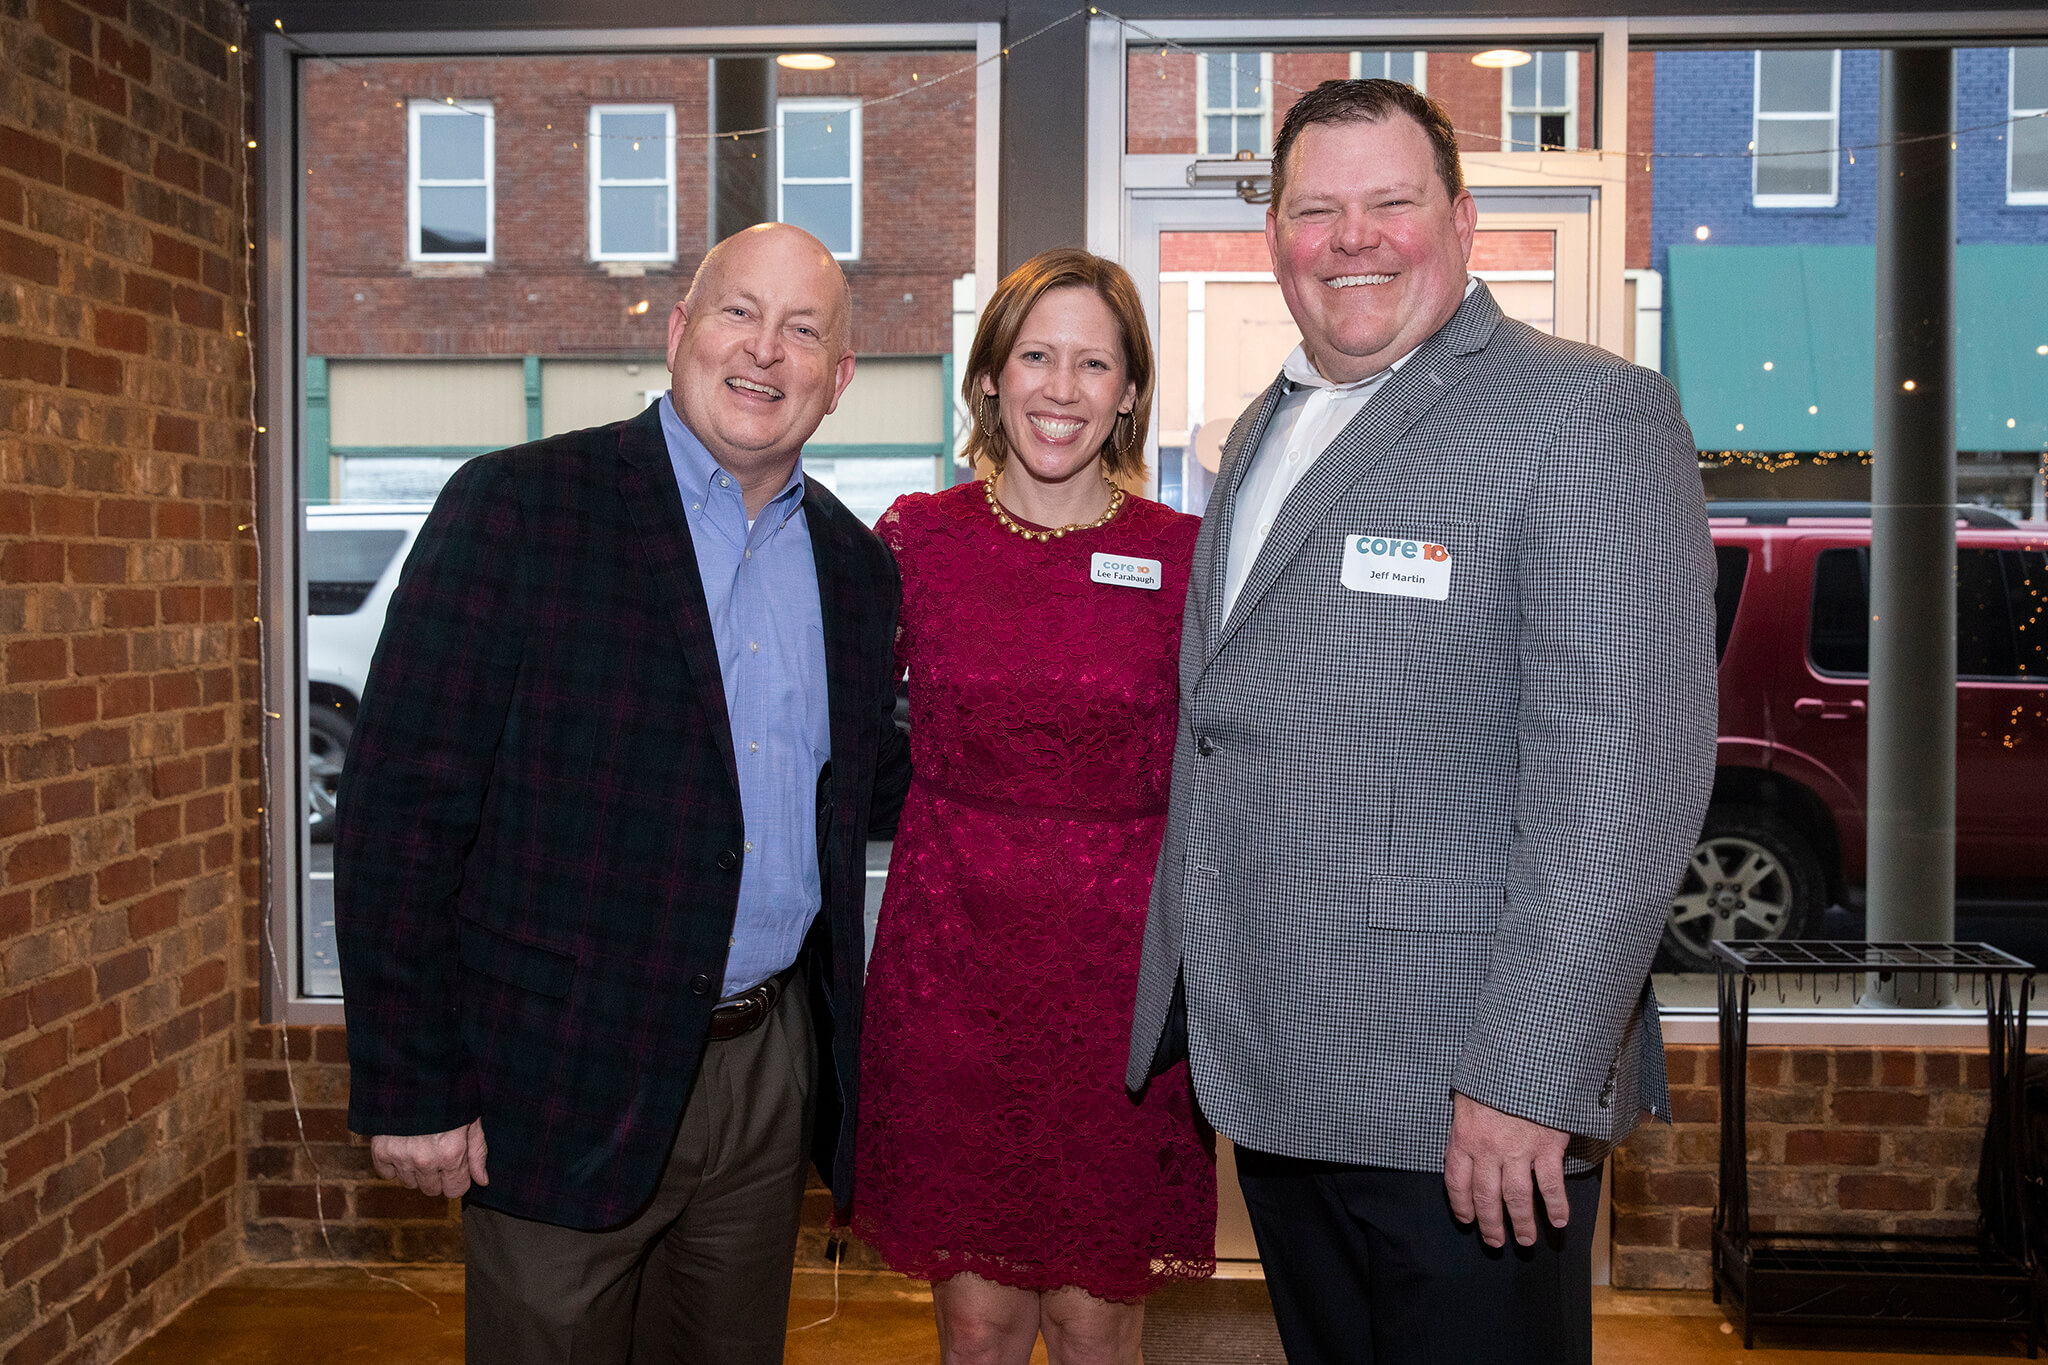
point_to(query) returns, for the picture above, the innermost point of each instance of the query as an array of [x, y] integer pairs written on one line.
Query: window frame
[[597, 182], [291, 404], [2013, 197], [1204, 111], [1509, 109], [1419, 55], [487, 110], [849, 105], [1757, 116]]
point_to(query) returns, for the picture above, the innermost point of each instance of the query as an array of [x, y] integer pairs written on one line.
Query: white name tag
[[1399, 568], [1124, 571]]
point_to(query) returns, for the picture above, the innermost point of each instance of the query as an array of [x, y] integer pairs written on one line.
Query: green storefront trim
[[924, 451], [1774, 348], [533, 398], [418, 452], [316, 481]]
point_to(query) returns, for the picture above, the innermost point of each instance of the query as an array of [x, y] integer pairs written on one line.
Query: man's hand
[[433, 1163], [1494, 1159]]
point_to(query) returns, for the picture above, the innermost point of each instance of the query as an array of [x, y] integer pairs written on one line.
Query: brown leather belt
[[747, 1011]]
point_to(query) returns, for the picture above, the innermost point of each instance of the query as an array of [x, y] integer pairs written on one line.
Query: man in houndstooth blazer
[[1447, 735]]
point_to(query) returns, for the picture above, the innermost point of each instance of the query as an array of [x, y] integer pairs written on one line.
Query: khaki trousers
[[701, 1277]]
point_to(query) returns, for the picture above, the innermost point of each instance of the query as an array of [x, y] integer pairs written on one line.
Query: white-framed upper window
[[817, 162], [1410, 68], [1798, 117], [450, 195], [2026, 141], [632, 182], [1540, 102], [1234, 103]]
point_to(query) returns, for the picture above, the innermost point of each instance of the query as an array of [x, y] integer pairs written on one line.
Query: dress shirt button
[[700, 984], [727, 859], [747, 847], [1265, 529], [748, 554], [754, 645], [1293, 456], [1205, 746], [724, 482], [753, 746]]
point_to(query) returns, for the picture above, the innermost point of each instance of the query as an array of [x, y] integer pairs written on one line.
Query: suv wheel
[[1752, 876], [327, 732]]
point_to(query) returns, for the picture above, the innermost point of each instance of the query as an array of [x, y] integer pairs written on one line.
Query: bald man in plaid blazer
[[1447, 734], [600, 865]]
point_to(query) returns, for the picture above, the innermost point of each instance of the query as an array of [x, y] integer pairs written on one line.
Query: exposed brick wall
[[367, 1219], [1840, 1139], [541, 294], [127, 812]]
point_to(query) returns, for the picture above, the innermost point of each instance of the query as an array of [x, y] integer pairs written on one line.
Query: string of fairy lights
[[921, 84]]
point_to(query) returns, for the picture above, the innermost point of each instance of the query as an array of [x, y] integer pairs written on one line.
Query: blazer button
[[727, 859], [700, 984], [1205, 746]]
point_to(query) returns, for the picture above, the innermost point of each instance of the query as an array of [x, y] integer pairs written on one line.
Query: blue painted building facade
[[1737, 288]]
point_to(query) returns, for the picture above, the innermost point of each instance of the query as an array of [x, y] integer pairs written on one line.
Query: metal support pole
[[1912, 714]]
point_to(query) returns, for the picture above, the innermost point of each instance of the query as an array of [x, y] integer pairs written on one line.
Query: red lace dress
[[996, 1135]]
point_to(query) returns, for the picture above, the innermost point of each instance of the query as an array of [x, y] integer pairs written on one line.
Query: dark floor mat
[[1212, 1322]]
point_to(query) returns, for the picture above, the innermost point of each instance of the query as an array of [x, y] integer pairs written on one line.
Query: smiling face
[[759, 349], [1368, 246], [1062, 387]]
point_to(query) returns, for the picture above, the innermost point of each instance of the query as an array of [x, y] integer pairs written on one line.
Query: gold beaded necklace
[[1116, 502]]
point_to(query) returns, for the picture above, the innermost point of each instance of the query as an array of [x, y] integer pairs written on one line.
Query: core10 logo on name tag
[[1398, 568]]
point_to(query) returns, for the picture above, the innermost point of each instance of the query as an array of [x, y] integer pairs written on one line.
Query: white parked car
[[351, 556]]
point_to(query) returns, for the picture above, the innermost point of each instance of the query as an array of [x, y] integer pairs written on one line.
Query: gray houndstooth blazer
[[1417, 846]]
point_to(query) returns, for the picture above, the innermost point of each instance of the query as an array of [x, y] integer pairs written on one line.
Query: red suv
[[1784, 835]]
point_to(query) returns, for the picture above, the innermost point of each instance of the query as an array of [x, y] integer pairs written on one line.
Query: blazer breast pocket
[[530, 966], [1417, 906]]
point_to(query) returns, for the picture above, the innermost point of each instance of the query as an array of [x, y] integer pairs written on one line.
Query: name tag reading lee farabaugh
[[1124, 571], [1398, 568]]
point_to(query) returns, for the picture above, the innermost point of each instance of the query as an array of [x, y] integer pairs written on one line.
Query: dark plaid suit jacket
[[537, 859]]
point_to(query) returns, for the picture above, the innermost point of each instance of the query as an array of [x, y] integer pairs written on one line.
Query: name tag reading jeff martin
[[1399, 568], [1124, 571]]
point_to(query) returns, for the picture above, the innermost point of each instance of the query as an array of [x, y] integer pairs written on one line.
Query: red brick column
[[127, 851]]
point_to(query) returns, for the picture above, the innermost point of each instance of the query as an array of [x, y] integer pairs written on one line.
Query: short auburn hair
[[1003, 320], [1370, 101]]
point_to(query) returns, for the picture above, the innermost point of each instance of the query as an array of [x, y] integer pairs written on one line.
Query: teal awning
[[1773, 347]]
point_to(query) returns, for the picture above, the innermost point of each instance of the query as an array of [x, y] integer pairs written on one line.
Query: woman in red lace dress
[[1000, 1156]]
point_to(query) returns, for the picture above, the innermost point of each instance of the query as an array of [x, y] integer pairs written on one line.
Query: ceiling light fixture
[[806, 61], [1501, 57]]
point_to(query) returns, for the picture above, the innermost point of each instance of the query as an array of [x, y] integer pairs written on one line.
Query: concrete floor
[[335, 1316]]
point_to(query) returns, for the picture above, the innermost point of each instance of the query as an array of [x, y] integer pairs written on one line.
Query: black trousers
[[1367, 1266]]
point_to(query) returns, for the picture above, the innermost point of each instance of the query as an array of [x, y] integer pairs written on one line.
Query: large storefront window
[[1746, 273], [492, 247], [1767, 272]]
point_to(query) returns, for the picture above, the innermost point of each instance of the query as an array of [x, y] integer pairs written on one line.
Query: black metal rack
[[1988, 1280]]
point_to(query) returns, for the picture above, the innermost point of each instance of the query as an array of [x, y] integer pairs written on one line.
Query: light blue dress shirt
[[761, 585]]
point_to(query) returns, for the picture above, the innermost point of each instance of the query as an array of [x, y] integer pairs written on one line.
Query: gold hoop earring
[[988, 420], [1129, 443]]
